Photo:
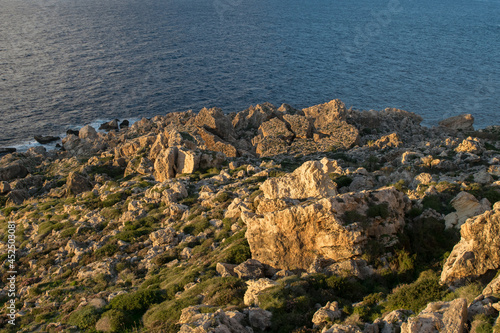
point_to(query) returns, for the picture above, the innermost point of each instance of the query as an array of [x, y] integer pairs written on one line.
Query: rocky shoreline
[[324, 219]]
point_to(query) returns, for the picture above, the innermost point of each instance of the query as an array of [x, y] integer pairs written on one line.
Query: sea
[[68, 63]]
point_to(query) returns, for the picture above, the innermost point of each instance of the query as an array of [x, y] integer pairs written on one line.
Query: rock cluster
[[265, 220]]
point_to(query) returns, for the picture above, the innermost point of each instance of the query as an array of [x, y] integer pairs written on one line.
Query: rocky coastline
[[271, 219]]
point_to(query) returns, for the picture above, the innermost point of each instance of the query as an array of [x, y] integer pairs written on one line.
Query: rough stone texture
[[255, 288], [259, 318], [250, 270], [328, 313], [334, 228], [269, 146], [493, 288], [391, 322], [166, 236], [77, 183], [347, 268], [13, 171], [188, 161], [482, 305], [309, 180], [88, 133], [443, 317], [325, 114], [462, 122], [225, 270], [339, 328], [17, 196], [104, 267], [301, 126], [165, 164], [388, 141], [470, 145], [160, 143], [215, 121], [193, 321], [466, 206], [252, 117], [143, 166], [213, 142], [275, 128], [477, 254]]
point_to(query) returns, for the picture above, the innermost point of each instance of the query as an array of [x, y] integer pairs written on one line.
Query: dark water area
[[67, 63]]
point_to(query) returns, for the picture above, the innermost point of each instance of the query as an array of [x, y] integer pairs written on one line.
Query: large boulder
[[165, 164], [215, 121], [466, 206], [213, 142], [337, 228], [462, 122], [77, 183], [449, 317], [324, 114], [275, 128], [13, 171], [477, 255], [194, 319], [301, 126], [253, 117], [308, 181]]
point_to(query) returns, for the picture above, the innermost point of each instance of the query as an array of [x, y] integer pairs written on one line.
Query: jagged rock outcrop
[[462, 122], [449, 317], [215, 121], [193, 320], [335, 228], [308, 181], [477, 255], [77, 183], [328, 313], [253, 117], [13, 171], [466, 206]]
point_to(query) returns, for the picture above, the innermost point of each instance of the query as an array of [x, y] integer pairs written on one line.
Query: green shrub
[[222, 197], [340, 180], [469, 292], [198, 225], [138, 301], [237, 253], [85, 318], [416, 295], [107, 250], [352, 216], [118, 320], [381, 210], [68, 232]]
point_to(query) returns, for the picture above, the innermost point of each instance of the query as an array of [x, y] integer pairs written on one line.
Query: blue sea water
[[66, 63]]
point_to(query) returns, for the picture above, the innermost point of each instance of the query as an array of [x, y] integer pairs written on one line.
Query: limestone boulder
[[470, 145], [493, 288], [194, 320], [13, 171], [215, 121], [325, 114], [462, 122], [300, 126], [255, 288], [388, 141], [88, 133], [449, 317], [165, 164], [466, 206], [269, 146], [77, 183], [188, 161], [259, 318], [166, 237], [275, 128], [340, 328], [328, 313], [477, 254], [215, 143], [253, 117], [336, 228], [308, 181], [225, 270], [251, 269]]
